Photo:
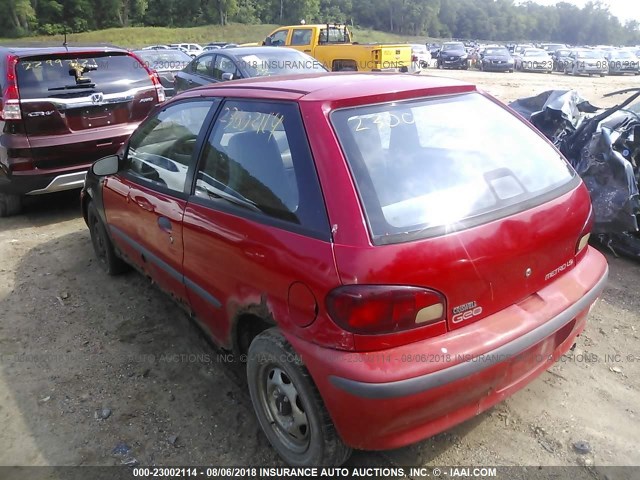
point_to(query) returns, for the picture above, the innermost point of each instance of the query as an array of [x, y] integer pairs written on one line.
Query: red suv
[[386, 279], [63, 108]]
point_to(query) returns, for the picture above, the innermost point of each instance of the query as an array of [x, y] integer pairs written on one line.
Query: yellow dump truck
[[332, 45]]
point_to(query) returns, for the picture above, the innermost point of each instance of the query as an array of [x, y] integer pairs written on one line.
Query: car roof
[[37, 50], [344, 85]]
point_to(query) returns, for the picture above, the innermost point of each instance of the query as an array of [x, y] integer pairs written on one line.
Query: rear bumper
[[392, 398], [38, 182]]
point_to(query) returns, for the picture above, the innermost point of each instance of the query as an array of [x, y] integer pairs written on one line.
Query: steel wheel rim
[[283, 407], [98, 241]]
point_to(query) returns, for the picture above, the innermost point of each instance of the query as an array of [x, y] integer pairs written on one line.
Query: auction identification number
[[194, 472]]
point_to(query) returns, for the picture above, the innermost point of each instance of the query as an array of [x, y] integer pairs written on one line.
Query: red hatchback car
[[394, 253]]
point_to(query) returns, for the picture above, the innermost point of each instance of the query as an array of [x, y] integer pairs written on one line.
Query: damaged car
[[603, 145]]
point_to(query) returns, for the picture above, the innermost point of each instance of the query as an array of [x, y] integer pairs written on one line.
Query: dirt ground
[[76, 346]]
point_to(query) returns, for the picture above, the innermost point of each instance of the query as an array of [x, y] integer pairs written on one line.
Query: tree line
[[497, 20]]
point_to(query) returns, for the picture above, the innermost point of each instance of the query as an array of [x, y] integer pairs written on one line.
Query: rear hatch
[[79, 106], [460, 197]]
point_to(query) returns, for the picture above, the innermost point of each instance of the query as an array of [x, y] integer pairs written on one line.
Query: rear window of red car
[[430, 166], [53, 76]]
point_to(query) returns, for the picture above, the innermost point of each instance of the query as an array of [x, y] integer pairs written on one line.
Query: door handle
[[144, 204], [164, 224], [307, 51]]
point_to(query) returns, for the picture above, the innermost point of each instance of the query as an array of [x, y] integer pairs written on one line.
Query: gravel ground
[[98, 370]]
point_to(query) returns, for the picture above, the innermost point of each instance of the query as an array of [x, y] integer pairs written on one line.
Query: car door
[[256, 221], [224, 64], [301, 39], [145, 201], [199, 72]]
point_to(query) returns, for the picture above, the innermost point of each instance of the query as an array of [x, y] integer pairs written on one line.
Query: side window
[[161, 150], [278, 39], [301, 36], [257, 160], [203, 65], [224, 65]]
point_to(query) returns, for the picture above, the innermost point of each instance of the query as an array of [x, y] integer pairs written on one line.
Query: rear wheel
[[10, 204], [102, 246], [288, 405]]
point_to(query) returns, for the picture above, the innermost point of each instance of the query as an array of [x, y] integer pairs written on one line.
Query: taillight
[[380, 309], [10, 102], [414, 58], [155, 79], [585, 234]]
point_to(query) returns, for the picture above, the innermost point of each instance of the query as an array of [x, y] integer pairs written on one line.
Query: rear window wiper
[[73, 87]]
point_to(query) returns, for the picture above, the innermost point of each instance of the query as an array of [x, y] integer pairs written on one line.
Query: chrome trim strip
[[79, 102], [68, 181], [415, 385]]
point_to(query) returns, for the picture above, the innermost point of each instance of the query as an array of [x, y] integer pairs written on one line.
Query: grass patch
[[136, 37]]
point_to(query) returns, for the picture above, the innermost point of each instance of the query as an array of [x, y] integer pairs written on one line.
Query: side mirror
[[106, 166], [267, 41], [227, 76]]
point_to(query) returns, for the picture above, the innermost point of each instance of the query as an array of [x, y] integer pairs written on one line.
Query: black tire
[[102, 246], [288, 405], [10, 204]]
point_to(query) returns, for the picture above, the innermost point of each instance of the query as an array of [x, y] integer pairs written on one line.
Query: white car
[[192, 49], [420, 57]]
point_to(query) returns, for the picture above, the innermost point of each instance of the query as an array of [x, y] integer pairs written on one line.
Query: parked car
[[166, 63], [552, 47], [560, 59], [452, 55], [380, 275], [434, 49], [518, 50], [534, 60], [192, 49], [586, 62], [244, 62], [61, 108], [495, 58], [420, 57], [622, 61]]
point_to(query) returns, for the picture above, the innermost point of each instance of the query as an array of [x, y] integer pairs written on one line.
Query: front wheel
[[102, 246], [288, 405]]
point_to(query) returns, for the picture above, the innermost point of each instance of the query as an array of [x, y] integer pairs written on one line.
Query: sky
[[623, 9]]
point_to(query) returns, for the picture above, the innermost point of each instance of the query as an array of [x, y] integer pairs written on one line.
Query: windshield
[[496, 51], [279, 62], [622, 54], [453, 46], [589, 54], [430, 165], [536, 53], [164, 59], [58, 75]]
